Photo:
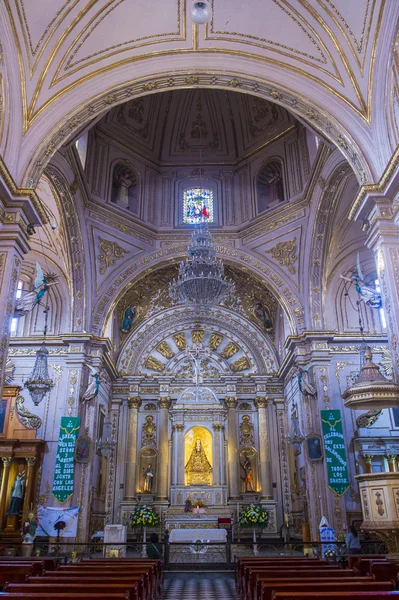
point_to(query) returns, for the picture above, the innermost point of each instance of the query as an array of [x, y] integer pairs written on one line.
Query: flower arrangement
[[188, 506], [144, 516], [253, 515], [30, 524], [198, 503], [331, 553]]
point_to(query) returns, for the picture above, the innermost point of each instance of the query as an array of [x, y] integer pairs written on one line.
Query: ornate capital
[[179, 428], [231, 401], [164, 402], [7, 460], [218, 427], [31, 461], [134, 402], [261, 401], [368, 458]]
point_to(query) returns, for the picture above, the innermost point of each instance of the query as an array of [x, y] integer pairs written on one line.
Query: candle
[[238, 512]]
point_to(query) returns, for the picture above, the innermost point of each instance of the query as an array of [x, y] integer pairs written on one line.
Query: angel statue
[[305, 387], [29, 300], [369, 295], [93, 386]]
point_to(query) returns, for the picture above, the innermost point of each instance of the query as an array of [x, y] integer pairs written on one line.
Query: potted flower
[[28, 532], [254, 516], [144, 516], [188, 506]]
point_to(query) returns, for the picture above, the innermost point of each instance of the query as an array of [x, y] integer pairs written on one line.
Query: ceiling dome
[[196, 126]]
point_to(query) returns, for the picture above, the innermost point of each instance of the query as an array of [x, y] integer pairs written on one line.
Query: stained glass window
[[197, 202]]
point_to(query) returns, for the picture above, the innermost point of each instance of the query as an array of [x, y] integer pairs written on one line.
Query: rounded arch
[[320, 120], [266, 273], [144, 342]]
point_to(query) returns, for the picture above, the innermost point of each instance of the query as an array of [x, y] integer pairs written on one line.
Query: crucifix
[[197, 353]]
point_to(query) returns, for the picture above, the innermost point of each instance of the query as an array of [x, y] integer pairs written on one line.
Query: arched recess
[[270, 184], [125, 186], [264, 272], [326, 214], [68, 211], [153, 348]]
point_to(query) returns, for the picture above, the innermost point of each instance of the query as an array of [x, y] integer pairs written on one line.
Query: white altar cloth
[[192, 535]]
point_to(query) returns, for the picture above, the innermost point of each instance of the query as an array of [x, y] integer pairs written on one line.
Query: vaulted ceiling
[[64, 62], [204, 126]]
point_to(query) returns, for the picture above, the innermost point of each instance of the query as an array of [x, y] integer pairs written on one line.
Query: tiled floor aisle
[[199, 586]]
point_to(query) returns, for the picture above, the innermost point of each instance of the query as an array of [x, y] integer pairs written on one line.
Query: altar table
[[192, 535]]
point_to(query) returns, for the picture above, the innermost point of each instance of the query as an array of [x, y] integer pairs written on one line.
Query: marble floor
[[199, 586]]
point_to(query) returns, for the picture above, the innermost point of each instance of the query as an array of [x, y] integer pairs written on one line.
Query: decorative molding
[[285, 254], [110, 253]]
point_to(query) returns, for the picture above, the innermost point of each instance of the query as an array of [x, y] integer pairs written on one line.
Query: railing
[[189, 555]]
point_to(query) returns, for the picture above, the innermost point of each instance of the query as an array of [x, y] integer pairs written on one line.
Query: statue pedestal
[[11, 524], [116, 536]]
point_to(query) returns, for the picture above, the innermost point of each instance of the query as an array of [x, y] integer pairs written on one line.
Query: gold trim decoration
[[285, 254], [164, 349], [154, 364], [242, 364], [197, 335], [110, 253], [180, 340], [215, 340], [229, 351]]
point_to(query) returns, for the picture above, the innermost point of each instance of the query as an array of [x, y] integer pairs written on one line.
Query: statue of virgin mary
[[198, 467]]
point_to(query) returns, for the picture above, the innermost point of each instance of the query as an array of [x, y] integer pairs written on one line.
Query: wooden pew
[[77, 588], [334, 595], [66, 596], [148, 571], [136, 561], [17, 572], [111, 573], [259, 577], [135, 581], [381, 568], [286, 570], [300, 562], [269, 583], [328, 586], [50, 562], [354, 559]]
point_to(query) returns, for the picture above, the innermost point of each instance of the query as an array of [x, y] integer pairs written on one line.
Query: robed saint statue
[[198, 467]]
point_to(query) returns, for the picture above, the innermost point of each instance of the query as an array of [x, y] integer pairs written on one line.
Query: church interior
[[199, 267]]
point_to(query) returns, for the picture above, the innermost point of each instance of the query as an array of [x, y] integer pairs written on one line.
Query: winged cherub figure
[[369, 295], [29, 300]]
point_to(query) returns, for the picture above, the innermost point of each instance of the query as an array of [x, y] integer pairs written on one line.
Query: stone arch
[[319, 120], [276, 281], [147, 336]]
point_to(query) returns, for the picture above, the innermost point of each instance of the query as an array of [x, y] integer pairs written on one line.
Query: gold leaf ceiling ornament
[[164, 349], [154, 364], [109, 254], [230, 349], [242, 364], [197, 335], [180, 340], [215, 340], [285, 254]]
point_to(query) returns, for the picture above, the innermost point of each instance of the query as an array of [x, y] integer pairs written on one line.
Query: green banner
[[64, 465], [334, 446]]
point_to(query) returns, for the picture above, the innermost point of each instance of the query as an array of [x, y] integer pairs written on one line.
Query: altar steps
[[200, 585]]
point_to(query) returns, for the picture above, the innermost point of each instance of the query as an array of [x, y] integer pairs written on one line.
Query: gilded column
[[232, 448], [391, 458], [368, 467], [264, 448], [163, 448], [217, 454], [178, 454], [7, 460], [131, 463], [29, 483]]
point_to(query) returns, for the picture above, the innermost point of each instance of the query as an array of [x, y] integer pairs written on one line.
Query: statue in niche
[[262, 312], [367, 294], [128, 318], [305, 387], [198, 467], [248, 478], [17, 494], [148, 479]]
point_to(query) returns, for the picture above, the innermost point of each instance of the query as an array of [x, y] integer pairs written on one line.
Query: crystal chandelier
[[40, 383], [106, 443], [201, 280]]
